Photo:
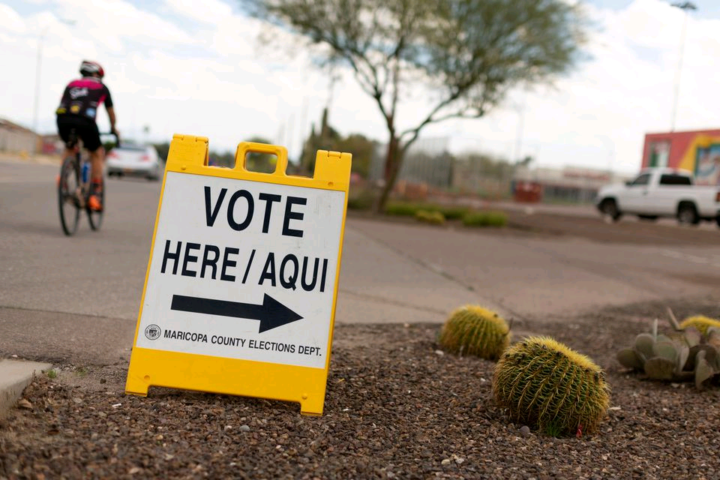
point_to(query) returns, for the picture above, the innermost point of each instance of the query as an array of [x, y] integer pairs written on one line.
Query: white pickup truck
[[661, 192]]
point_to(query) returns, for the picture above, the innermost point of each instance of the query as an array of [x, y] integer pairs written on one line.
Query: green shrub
[[403, 209], [435, 218], [410, 209], [475, 219], [546, 385], [484, 219], [361, 201], [451, 212], [497, 219], [473, 330]]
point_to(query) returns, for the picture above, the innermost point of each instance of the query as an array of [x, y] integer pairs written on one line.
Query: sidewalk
[[15, 375], [380, 283], [38, 159]]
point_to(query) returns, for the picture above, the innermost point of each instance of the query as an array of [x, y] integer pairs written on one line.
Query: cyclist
[[77, 111]]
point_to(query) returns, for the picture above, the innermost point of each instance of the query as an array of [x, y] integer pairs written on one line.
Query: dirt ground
[[596, 229], [544, 225], [396, 407]]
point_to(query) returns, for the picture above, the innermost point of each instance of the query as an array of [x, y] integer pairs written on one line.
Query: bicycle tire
[[68, 183], [96, 218]]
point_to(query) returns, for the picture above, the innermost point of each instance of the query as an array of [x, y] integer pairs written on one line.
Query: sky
[[178, 68]]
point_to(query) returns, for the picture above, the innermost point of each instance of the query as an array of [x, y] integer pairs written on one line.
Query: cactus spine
[[545, 384], [473, 330]]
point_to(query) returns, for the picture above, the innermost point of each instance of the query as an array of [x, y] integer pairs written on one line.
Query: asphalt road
[[76, 299]]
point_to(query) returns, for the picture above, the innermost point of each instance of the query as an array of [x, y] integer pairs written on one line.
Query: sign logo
[[78, 92], [153, 332], [243, 276]]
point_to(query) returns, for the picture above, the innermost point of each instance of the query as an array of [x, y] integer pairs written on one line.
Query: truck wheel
[[610, 210], [648, 218], [687, 214]]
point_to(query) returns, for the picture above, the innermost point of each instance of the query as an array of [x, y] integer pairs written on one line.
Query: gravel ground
[[395, 407]]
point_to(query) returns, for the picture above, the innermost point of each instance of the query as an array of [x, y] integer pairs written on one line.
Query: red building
[[695, 151]]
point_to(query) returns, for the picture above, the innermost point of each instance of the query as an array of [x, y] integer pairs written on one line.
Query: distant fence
[[430, 170], [429, 164]]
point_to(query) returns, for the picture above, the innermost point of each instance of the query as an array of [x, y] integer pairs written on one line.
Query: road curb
[[15, 375]]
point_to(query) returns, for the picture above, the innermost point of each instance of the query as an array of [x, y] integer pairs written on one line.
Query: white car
[[134, 160], [661, 192]]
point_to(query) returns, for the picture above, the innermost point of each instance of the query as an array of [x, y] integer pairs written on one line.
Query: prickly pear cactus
[[545, 384], [701, 322], [684, 356], [473, 330]]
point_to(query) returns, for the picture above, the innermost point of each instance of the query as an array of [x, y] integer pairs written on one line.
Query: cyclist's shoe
[[94, 203], [96, 196]]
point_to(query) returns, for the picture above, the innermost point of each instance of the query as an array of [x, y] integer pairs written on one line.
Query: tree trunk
[[393, 162]]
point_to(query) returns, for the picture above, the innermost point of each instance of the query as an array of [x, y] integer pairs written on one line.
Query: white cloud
[[209, 11], [599, 116], [114, 23], [10, 20], [214, 81]]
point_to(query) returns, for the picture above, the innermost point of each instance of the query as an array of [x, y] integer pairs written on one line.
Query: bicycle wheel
[[95, 218], [68, 186]]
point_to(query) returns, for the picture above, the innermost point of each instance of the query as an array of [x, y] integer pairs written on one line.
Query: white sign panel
[[243, 270]]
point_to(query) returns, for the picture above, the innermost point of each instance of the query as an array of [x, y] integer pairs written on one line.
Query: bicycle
[[74, 189]]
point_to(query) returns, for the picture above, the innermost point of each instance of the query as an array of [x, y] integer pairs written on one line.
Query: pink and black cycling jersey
[[83, 97]]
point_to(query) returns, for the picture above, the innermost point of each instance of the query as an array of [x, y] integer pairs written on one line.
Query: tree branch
[[463, 113], [429, 118]]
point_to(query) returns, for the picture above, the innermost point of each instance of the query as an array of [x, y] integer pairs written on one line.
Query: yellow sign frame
[[304, 385]]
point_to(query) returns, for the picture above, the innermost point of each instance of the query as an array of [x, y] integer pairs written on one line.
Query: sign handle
[[246, 147]]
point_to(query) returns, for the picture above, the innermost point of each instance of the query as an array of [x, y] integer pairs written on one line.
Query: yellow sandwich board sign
[[241, 284]]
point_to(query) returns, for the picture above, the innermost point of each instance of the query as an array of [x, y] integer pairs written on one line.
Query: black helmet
[[88, 68]]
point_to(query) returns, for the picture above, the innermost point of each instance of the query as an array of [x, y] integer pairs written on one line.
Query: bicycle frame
[[79, 163], [84, 184], [81, 158]]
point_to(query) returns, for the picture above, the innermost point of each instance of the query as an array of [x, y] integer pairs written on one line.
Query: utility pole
[[686, 7], [517, 152], [38, 66]]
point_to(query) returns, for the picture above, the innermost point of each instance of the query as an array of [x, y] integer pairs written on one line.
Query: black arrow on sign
[[271, 313]]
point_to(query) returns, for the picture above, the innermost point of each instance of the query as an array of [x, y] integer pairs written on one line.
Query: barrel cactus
[[686, 355], [700, 322], [473, 330], [549, 386]]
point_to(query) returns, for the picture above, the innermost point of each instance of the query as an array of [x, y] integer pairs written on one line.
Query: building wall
[[51, 145], [14, 138], [14, 141], [695, 151]]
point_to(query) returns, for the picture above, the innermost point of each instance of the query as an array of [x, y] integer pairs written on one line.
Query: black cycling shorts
[[85, 129]]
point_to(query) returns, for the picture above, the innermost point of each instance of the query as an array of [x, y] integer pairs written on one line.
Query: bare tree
[[465, 53]]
